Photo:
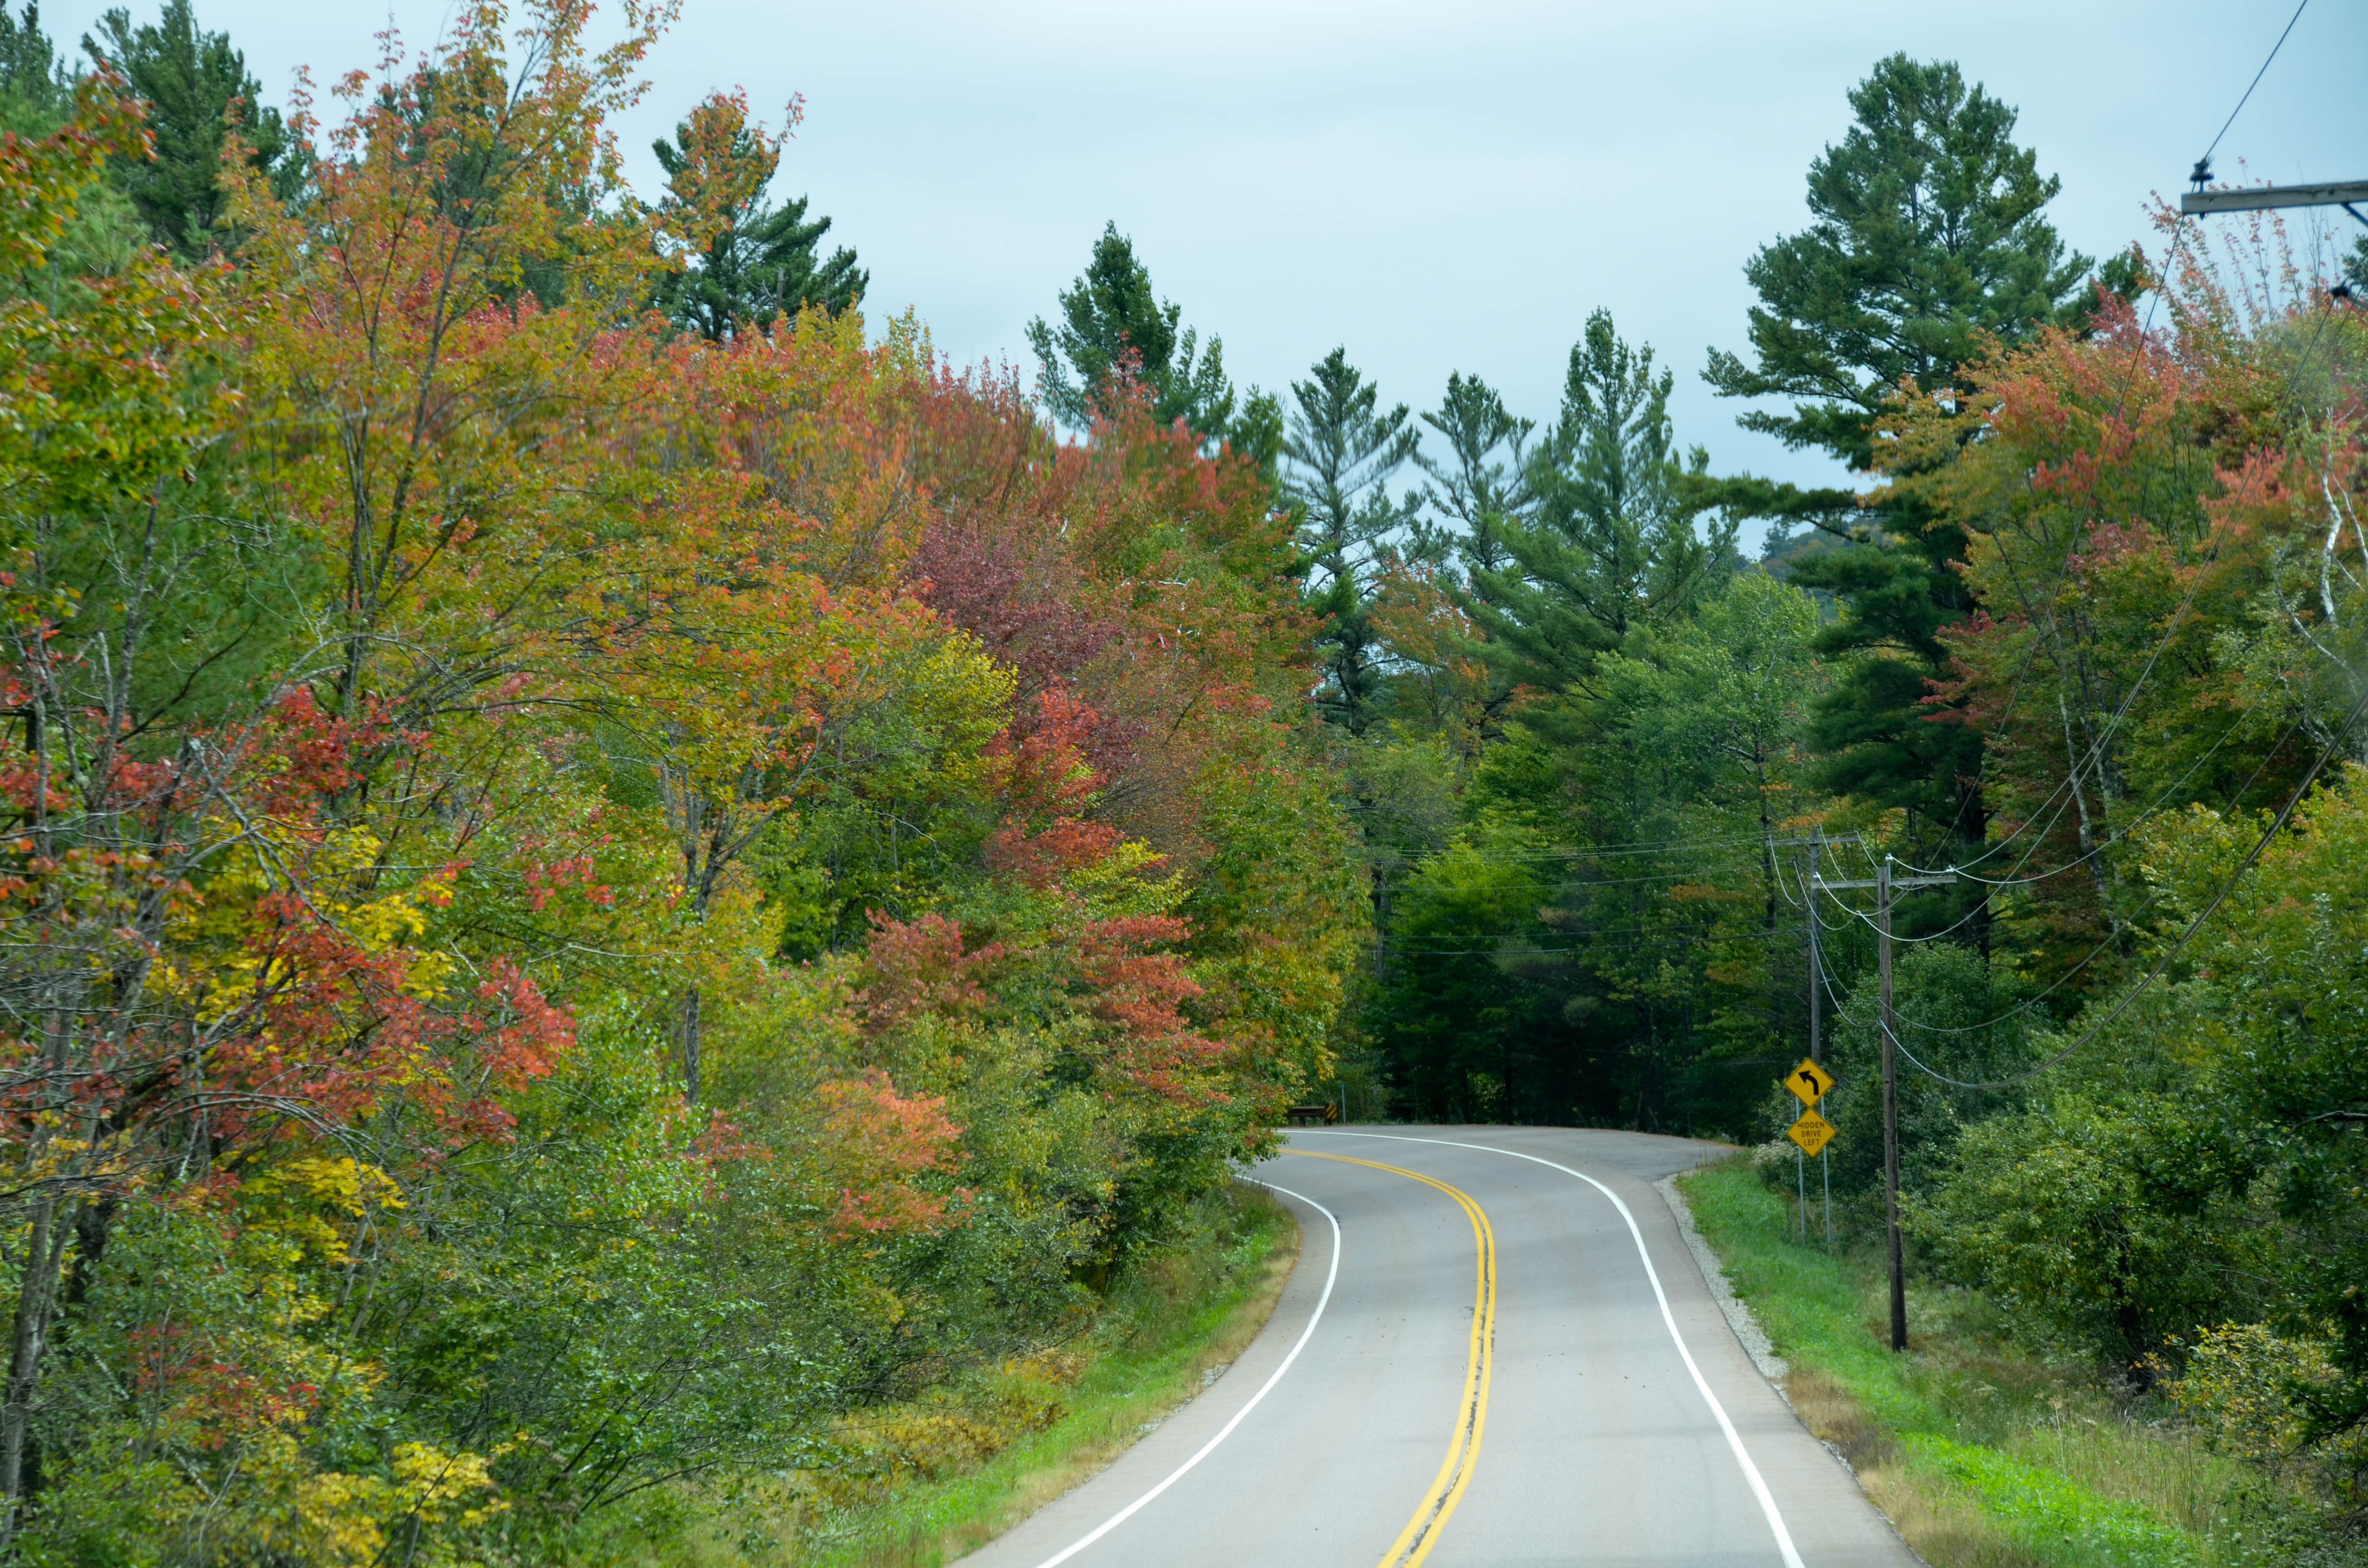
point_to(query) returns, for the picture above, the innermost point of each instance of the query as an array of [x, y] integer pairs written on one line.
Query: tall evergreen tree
[[1611, 543], [1930, 236], [1483, 483], [1110, 317], [1338, 458], [33, 88], [197, 88], [745, 261]]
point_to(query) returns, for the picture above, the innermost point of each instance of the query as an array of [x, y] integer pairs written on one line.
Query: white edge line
[[1734, 1439], [1227, 1430]]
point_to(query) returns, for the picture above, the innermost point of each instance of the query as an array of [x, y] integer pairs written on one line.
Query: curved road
[[1478, 1370]]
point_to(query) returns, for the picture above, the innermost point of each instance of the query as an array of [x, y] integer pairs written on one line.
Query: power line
[[2067, 790], [2111, 938], [2138, 354], [1616, 849], [2059, 797], [1503, 950], [2062, 795], [2121, 401], [2162, 963], [2095, 759], [2302, 787], [2205, 162], [2016, 879]]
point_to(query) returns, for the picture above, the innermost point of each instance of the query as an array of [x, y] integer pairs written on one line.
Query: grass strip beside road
[[1985, 1453], [945, 1475]]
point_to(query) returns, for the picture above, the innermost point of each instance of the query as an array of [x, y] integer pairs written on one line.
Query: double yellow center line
[[1437, 1504]]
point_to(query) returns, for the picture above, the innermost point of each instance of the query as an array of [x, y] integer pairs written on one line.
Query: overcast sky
[[1439, 186]]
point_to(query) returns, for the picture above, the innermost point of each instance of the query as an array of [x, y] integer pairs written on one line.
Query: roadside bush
[[2111, 1227]]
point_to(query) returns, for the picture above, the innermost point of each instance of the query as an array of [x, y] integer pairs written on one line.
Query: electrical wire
[[2094, 761], [1621, 848], [2121, 401], [2228, 885], [2065, 791], [2016, 879], [2108, 939], [1897, 1044], [2179, 235], [2111, 938], [2070, 783], [1586, 947], [2256, 82]]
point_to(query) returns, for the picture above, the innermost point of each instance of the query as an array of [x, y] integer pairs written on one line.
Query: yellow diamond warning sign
[[1810, 1081], [1812, 1132]]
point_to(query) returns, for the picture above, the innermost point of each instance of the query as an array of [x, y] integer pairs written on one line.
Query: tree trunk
[[44, 1252], [690, 1047]]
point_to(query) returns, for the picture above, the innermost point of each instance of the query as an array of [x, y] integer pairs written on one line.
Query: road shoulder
[[1052, 1507], [1746, 1328]]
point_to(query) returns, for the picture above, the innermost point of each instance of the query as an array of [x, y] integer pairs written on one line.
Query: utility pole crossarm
[[2336, 193]]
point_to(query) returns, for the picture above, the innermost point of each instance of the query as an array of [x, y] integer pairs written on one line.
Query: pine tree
[[1478, 489], [1929, 237], [33, 87], [1338, 460], [1110, 318], [1611, 543], [197, 88], [742, 260], [1928, 234]]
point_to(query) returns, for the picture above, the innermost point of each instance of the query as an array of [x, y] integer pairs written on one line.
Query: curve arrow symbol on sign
[[1810, 1081]]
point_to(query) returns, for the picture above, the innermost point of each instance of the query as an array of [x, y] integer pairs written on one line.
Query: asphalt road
[[1476, 1368]]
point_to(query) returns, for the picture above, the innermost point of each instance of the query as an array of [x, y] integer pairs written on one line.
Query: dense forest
[[611, 860]]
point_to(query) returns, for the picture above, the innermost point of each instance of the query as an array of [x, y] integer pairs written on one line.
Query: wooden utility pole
[[1890, 1109], [1817, 966], [1816, 1018], [1884, 883]]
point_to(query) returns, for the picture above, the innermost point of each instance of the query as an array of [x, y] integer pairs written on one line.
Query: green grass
[[2042, 1511], [1982, 1449], [944, 1474]]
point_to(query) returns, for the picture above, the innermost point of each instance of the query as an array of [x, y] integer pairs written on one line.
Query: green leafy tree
[[1719, 702], [1612, 543], [1930, 239], [197, 89], [1112, 322], [742, 259], [1338, 460]]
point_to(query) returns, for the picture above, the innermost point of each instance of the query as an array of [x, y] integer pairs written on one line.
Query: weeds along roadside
[[923, 1482], [1983, 1450]]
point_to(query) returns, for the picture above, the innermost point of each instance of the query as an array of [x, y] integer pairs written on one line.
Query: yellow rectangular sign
[[1809, 1081], [1812, 1132]]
